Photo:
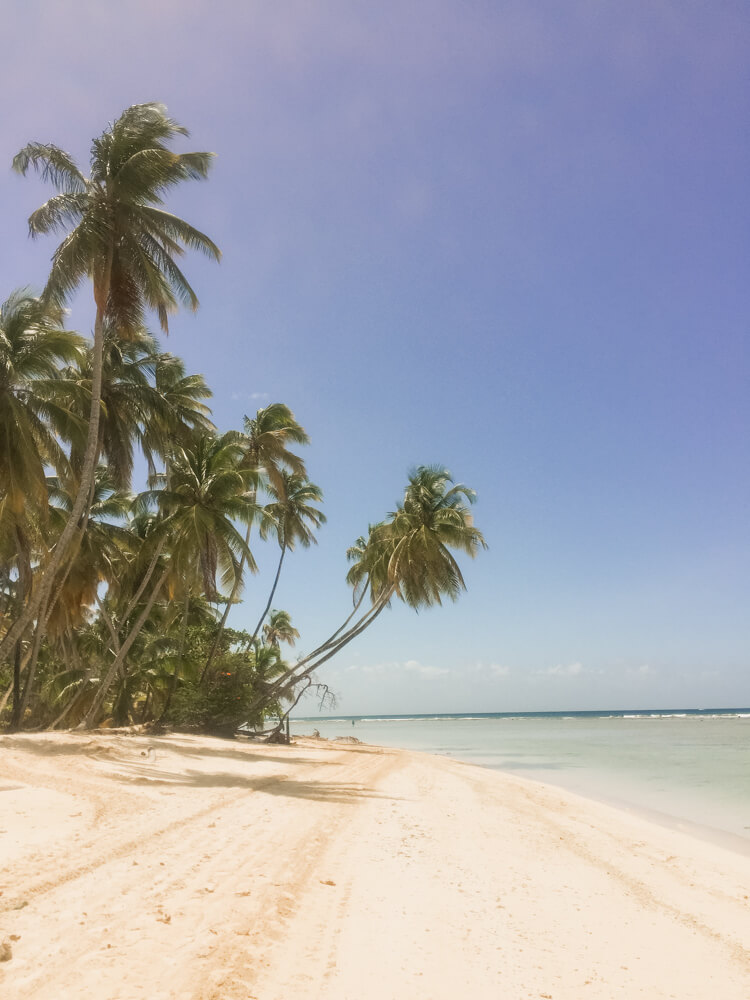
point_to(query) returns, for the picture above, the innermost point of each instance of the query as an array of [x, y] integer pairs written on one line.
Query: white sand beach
[[135, 868]]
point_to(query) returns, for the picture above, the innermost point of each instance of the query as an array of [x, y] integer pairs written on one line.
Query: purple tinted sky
[[508, 237]]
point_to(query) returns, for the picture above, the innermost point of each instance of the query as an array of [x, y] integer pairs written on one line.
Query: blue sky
[[511, 238]]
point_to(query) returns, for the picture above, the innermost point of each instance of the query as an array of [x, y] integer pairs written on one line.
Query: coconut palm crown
[[433, 518], [118, 235]]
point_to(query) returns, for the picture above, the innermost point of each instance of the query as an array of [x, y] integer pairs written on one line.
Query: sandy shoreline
[[135, 868]]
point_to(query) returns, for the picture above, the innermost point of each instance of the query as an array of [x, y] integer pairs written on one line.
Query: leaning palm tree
[[408, 556], [119, 236], [433, 519]]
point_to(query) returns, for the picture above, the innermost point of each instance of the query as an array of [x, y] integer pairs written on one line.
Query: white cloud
[[563, 670], [493, 669], [394, 666], [251, 396], [424, 670], [372, 668], [499, 669]]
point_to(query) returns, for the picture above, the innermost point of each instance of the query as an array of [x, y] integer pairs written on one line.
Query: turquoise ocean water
[[685, 768]]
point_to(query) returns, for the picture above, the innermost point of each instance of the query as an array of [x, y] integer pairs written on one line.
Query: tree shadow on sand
[[121, 746], [277, 784]]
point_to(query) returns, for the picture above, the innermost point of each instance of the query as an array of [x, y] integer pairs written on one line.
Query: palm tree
[[119, 236], [126, 400], [146, 397], [267, 437], [206, 495], [105, 547], [178, 412], [33, 416], [96, 560], [279, 629], [267, 665], [433, 519], [408, 557], [293, 518]]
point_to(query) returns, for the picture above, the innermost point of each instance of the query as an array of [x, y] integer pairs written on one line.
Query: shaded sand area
[[181, 867]]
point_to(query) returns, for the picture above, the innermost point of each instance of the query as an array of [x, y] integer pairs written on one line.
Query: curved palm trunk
[[284, 718], [324, 652], [331, 638], [364, 623], [270, 596], [77, 697], [40, 596], [46, 610], [101, 694], [144, 582], [110, 625]]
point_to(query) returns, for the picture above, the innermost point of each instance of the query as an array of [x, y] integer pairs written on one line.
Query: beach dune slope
[[146, 869]]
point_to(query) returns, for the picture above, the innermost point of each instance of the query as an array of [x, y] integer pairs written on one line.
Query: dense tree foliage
[[115, 595]]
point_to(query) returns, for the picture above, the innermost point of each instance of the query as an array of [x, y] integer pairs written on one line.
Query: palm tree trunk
[[15, 717], [324, 652], [40, 596], [9, 690], [146, 707], [180, 658], [270, 596], [232, 597], [337, 636], [38, 635], [5, 592], [106, 684], [75, 699], [5, 697], [23, 591], [41, 629], [46, 609], [110, 625], [364, 623], [331, 638], [144, 582]]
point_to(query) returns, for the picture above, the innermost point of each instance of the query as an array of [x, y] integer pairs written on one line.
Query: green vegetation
[[114, 604]]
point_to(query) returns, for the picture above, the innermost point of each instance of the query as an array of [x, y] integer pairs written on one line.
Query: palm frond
[[53, 164]]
